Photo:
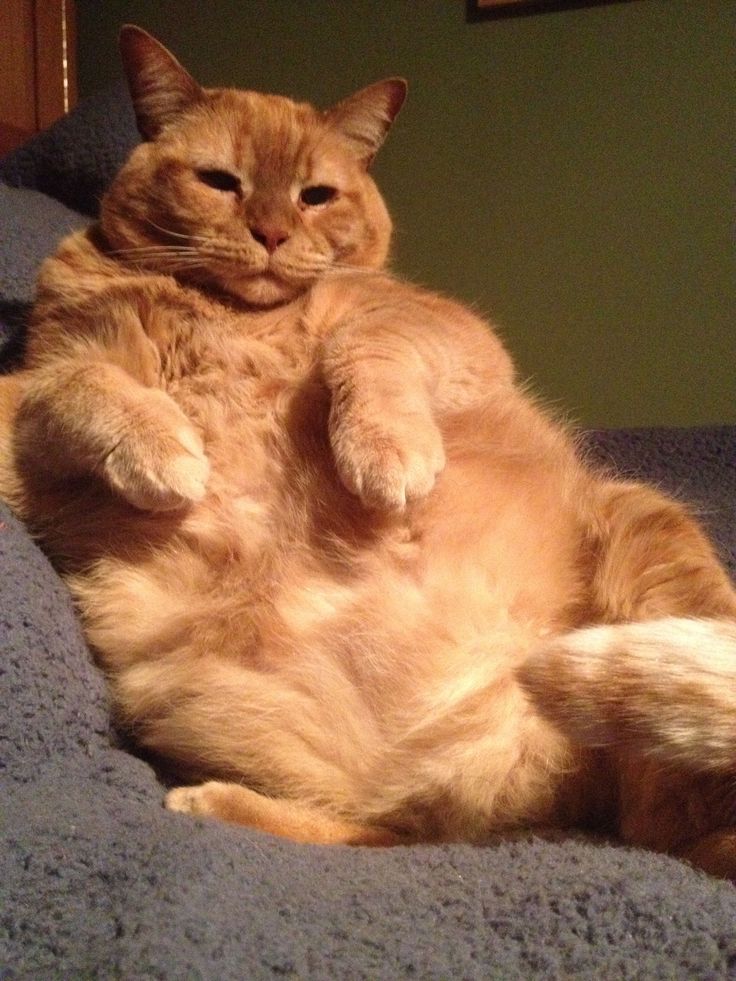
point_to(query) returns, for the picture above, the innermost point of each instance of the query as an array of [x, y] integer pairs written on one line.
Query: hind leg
[[688, 814], [239, 805], [652, 559], [655, 683], [213, 718]]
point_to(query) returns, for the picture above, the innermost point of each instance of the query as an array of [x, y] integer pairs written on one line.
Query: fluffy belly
[[373, 677], [388, 695]]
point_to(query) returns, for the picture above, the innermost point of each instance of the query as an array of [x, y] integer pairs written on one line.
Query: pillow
[[75, 159], [32, 225]]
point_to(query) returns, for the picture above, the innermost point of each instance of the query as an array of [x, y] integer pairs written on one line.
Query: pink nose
[[269, 237]]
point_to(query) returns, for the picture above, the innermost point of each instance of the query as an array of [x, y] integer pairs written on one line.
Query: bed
[[99, 881]]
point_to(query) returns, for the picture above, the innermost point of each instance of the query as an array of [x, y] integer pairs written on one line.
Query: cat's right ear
[[160, 88], [365, 118]]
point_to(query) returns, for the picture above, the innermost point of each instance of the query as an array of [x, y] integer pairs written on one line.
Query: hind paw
[[204, 800]]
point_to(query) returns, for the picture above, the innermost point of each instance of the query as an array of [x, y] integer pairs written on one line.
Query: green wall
[[567, 173]]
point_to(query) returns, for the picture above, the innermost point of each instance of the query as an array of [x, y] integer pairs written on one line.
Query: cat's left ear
[[160, 88], [365, 118]]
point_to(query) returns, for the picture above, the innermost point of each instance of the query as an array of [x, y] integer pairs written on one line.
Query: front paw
[[386, 463], [159, 463]]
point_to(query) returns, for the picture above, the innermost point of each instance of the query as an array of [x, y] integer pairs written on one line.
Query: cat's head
[[252, 194]]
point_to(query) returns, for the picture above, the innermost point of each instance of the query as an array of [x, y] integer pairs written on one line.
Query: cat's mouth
[[279, 279], [259, 280], [265, 288]]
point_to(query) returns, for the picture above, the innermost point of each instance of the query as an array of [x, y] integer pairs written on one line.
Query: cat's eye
[[318, 194], [220, 180]]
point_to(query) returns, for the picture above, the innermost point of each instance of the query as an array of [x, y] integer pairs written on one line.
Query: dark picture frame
[[498, 9]]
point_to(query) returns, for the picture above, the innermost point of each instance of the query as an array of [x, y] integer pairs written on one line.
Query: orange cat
[[326, 550]]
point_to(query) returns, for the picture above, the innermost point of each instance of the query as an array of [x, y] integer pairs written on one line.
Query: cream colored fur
[[663, 687], [328, 552]]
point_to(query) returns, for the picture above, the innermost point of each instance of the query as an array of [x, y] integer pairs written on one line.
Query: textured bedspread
[[99, 881]]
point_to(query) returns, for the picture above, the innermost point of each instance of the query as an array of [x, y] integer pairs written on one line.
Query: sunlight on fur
[[333, 559]]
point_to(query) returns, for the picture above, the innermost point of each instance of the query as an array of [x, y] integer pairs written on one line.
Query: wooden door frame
[[38, 80]]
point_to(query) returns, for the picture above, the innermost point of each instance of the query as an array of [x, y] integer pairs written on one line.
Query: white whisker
[[153, 252], [345, 267], [189, 236]]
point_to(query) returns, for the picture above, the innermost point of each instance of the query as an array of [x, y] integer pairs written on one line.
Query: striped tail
[[665, 688]]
